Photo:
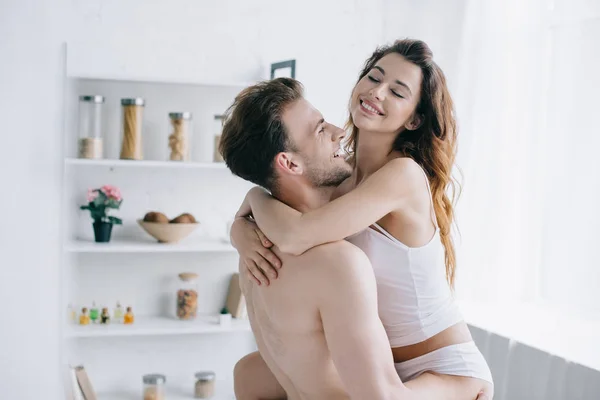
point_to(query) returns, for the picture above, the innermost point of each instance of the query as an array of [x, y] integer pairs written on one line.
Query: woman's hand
[[254, 250]]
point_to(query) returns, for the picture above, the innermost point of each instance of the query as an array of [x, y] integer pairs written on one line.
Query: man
[[317, 328]]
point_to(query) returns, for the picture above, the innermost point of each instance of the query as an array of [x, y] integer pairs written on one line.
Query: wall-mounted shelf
[[140, 246], [74, 162], [157, 326]]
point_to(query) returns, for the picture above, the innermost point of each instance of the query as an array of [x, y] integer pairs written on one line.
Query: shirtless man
[[317, 328]]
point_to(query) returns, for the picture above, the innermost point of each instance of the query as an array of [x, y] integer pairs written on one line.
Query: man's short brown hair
[[254, 133]]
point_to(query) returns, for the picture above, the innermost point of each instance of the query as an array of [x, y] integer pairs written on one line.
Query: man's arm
[[355, 336]]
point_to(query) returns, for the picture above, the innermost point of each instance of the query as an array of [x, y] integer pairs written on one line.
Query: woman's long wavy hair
[[433, 145]]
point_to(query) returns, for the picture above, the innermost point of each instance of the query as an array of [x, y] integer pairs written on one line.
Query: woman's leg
[[253, 380], [450, 387]]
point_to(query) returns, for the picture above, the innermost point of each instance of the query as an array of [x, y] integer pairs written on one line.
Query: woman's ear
[[415, 122], [286, 163]]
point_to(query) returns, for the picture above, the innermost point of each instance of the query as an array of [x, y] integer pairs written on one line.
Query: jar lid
[[154, 379], [134, 101], [188, 276], [180, 115], [205, 376], [92, 99]]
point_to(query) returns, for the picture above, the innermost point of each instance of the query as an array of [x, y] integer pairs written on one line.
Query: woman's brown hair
[[433, 144]]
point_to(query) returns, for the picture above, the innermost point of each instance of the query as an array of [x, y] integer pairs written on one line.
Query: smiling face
[[317, 153], [386, 98]]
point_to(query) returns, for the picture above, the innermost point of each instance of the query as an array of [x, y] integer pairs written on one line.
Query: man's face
[[317, 145]]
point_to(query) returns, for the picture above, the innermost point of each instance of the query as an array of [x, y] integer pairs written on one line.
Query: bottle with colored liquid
[[128, 319], [94, 313], [84, 319], [118, 314], [71, 314]]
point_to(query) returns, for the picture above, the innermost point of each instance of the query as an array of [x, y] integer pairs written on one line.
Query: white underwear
[[463, 359]]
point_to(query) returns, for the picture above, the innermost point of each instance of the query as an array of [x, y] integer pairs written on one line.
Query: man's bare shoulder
[[335, 258]]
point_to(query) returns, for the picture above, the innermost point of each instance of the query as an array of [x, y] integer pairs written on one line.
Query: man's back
[[318, 329], [287, 325]]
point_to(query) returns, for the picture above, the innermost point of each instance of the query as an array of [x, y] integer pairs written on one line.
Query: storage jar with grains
[[205, 385], [90, 127], [218, 128], [179, 139], [187, 296], [132, 117], [154, 386]]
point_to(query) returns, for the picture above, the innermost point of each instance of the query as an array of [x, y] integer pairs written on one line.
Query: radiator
[[522, 372]]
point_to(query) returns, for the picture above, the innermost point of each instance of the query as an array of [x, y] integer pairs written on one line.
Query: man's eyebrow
[[377, 67], [319, 123]]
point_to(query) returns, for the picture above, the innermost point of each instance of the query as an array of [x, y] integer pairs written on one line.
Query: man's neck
[[302, 196]]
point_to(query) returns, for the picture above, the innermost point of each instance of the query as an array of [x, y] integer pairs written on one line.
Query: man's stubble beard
[[328, 177]]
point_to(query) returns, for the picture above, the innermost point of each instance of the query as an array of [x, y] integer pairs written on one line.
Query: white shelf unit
[[158, 326], [75, 162], [135, 268], [146, 246], [180, 392]]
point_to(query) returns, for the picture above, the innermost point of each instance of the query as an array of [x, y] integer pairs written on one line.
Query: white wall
[[330, 40], [30, 108]]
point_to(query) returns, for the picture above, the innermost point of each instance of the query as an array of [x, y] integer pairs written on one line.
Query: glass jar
[[90, 127], [179, 140], [154, 386], [205, 385], [217, 129], [187, 296], [131, 131]]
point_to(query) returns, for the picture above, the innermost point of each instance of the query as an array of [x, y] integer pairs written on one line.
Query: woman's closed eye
[[372, 79], [397, 94]]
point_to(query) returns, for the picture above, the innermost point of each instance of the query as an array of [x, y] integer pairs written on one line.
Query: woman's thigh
[[253, 380], [449, 387]]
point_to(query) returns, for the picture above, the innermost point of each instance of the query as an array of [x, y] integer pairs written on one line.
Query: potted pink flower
[[99, 202]]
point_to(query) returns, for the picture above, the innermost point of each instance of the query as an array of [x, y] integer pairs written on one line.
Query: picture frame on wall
[[284, 69]]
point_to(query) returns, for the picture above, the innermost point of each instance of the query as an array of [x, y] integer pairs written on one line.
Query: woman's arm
[[294, 232]]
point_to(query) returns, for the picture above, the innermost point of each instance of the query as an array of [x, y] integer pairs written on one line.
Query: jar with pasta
[[179, 139], [187, 296], [131, 130], [90, 127]]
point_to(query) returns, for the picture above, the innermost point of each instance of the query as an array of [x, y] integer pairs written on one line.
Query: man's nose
[[338, 134]]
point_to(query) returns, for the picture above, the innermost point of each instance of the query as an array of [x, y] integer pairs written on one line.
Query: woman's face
[[386, 98]]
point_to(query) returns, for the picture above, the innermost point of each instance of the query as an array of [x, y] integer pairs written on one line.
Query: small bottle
[[128, 319], [94, 313], [84, 319], [118, 314], [105, 316], [71, 314]]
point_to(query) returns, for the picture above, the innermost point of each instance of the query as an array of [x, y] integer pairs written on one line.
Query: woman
[[394, 207]]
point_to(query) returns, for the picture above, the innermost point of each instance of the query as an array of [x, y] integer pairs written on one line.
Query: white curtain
[[527, 97], [501, 76]]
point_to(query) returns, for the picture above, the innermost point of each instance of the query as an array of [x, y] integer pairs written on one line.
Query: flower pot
[[102, 231]]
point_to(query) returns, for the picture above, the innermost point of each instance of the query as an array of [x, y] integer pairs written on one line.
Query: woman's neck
[[373, 151]]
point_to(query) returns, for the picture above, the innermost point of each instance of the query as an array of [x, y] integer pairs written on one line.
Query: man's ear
[[415, 122], [287, 163]]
